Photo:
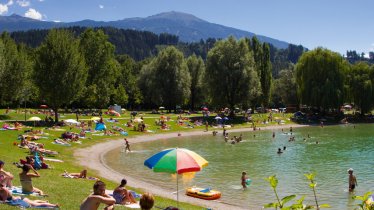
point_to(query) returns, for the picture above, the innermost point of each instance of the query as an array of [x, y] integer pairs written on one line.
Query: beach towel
[[18, 202], [23, 204], [17, 190], [124, 133], [61, 143], [131, 206], [53, 160]]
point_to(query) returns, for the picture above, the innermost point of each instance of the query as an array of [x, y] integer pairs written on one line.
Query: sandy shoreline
[[92, 158]]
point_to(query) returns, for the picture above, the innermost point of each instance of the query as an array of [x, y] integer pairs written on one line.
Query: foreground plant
[[365, 204], [273, 181], [313, 185], [298, 205]]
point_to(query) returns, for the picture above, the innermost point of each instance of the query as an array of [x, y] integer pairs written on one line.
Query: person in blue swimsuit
[[122, 195]]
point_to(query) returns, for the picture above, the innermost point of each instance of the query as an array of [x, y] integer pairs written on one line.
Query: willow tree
[[285, 86], [230, 74], [320, 76], [60, 70], [361, 86], [196, 68], [169, 80]]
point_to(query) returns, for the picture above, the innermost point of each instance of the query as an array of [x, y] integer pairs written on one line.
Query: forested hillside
[[140, 45]]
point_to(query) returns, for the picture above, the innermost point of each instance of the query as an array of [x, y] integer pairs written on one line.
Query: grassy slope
[[69, 193]]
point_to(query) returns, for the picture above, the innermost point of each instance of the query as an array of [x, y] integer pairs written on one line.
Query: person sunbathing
[[93, 201], [80, 175], [6, 196], [26, 180], [122, 195]]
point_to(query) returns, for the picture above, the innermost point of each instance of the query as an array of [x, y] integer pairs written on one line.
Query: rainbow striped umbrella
[[176, 160]]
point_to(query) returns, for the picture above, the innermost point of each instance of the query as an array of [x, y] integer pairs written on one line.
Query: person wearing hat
[[352, 180], [5, 177]]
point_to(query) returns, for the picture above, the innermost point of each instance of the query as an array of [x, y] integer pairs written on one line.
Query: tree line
[[85, 70]]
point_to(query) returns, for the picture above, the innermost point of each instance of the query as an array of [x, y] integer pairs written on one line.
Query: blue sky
[[338, 25]]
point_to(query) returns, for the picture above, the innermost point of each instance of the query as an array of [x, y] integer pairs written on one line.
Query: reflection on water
[[338, 148]]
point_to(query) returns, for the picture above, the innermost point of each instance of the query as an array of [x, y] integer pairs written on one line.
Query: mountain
[[187, 27]]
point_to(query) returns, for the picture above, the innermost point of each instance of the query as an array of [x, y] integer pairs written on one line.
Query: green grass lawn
[[69, 193]]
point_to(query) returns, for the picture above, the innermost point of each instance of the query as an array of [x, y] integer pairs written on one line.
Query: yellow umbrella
[[95, 118], [34, 119]]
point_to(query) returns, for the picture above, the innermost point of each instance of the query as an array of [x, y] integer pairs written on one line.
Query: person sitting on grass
[[26, 180], [6, 196], [146, 201], [122, 195], [93, 201], [5, 177]]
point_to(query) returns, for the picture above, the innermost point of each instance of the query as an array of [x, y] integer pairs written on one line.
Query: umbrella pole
[[177, 192]]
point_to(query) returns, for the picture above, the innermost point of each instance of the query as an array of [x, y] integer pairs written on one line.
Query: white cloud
[[41, 0], [3, 9], [101, 6], [10, 3], [23, 3], [32, 13]]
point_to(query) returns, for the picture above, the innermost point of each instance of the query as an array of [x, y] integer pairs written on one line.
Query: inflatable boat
[[203, 193]]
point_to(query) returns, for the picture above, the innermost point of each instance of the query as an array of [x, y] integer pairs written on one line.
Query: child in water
[[244, 178]]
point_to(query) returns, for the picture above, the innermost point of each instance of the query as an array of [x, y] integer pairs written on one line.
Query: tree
[[361, 88], [169, 80], [320, 78], [196, 69], [60, 70], [285, 86], [103, 69], [15, 71], [265, 75], [127, 79], [2, 59], [230, 74]]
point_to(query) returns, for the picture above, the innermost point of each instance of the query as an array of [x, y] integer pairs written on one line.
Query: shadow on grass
[[4, 117]]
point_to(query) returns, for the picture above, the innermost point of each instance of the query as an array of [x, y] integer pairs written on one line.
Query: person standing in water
[[244, 178], [127, 145], [352, 180]]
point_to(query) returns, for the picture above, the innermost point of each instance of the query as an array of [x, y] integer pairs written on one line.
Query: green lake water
[[340, 147]]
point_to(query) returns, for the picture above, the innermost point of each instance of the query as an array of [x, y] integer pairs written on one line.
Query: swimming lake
[[339, 147]]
